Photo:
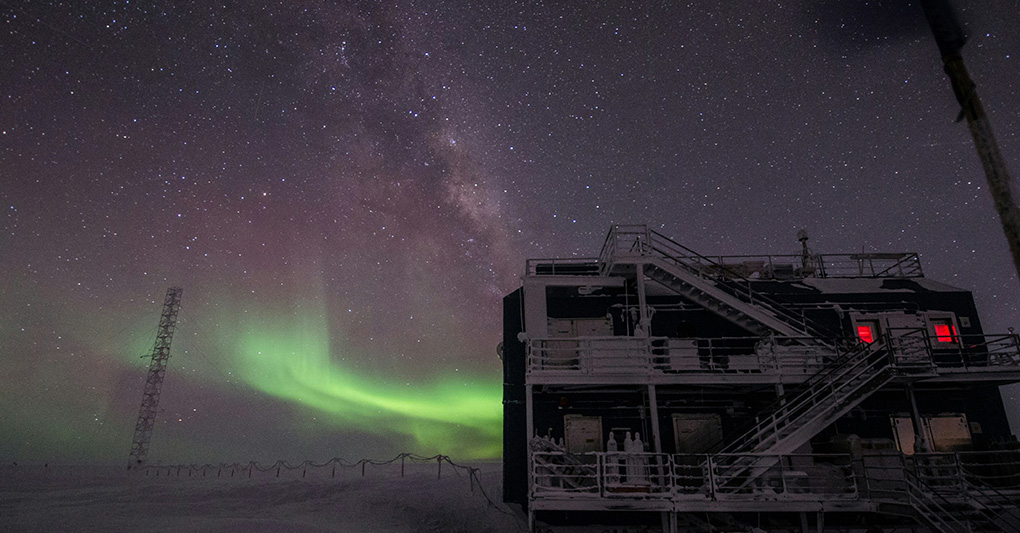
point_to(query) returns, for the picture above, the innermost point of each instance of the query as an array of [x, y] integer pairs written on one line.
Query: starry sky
[[346, 190]]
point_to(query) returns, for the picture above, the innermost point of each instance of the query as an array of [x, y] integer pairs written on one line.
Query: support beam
[[921, 444], [653, 403], [529, 422], [644, 321]]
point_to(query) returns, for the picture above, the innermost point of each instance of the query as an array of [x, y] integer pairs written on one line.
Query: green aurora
[[460, 417]]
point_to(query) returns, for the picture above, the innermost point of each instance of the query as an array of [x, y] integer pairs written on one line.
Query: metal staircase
[[715, 287], [754, 312], [977, 507], [975, 512], [829, 394], [996, 507], [826, 396], [934, 511]]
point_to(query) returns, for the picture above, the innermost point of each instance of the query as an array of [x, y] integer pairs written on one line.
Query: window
[[945, 331], [866, 333], [868, 330]]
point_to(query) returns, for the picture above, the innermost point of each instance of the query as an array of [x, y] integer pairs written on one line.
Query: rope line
[[474, 474]]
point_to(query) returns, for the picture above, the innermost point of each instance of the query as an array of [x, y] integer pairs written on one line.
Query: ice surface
[[109, 498]]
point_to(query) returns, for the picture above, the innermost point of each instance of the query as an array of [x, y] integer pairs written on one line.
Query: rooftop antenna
[[154, 383], [805, 253], [950, 39]]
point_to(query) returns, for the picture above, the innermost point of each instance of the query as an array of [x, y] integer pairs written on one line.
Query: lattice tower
[[154, 383]]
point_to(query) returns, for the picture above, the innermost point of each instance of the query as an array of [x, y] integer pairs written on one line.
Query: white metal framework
[[760, 468]]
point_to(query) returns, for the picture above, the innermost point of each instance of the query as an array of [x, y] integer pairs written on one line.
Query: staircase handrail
[[780, 403], [784, 409], [909, 255], [986, 496], [937, 506], [647, 241], [661, 245]]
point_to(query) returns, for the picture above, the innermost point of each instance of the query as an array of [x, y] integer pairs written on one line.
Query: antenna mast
[[154, 383], [950, 39]]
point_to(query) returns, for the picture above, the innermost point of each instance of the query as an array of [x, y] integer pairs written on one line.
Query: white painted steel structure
[[758, 469]]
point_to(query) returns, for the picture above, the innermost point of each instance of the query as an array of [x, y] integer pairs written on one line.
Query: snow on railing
[[639, 240], [571, 266], [623, 355], [958, 471], [962, 352], [818, 477], [953, 491], [629, 355], [990, 476]]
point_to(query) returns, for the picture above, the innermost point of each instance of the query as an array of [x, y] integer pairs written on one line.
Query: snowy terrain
[[109, 498]]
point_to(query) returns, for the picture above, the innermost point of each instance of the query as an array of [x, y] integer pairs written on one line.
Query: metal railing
[[571, 266], [663, 355], [956, 471], [942, 492], [934, 509], [640, 241], [845, 376], [948, 501], [620, 475], [634, 240], [812, 477], [789, 356]]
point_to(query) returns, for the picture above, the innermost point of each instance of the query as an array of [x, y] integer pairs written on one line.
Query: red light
[[864, 332], [945, 333]]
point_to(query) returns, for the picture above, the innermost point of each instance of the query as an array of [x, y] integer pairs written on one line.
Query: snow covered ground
[[109, 498]]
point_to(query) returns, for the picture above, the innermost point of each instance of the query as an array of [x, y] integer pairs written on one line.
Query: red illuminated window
[[865, 333], [945, 332]]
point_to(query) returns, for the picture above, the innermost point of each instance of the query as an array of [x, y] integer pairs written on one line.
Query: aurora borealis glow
[[293, 363], [346, 190]]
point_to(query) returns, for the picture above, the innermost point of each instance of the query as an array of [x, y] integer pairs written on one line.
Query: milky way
[[346, 190]]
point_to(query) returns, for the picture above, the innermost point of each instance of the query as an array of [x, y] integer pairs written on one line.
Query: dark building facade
[[656, 388]]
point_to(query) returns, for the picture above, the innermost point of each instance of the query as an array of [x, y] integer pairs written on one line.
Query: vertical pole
[[653, 404], [782, 477], [643, 322], [781, 393], [711, 476], [921, 444], [530, 428], [401, 465], [440, 472]]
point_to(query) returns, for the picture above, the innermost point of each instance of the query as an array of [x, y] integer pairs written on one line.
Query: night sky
[[346, 190]]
